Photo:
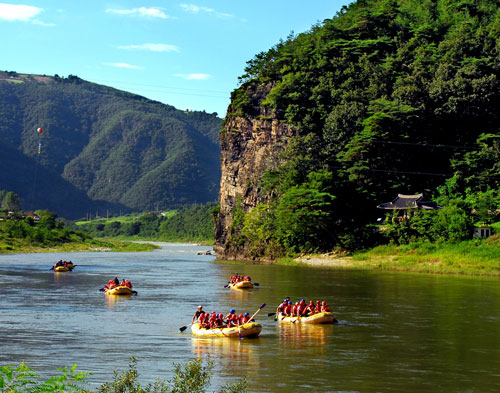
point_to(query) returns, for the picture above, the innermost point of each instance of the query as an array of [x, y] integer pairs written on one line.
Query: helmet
[[289, 302], [232, 311], [221, 316], [246, 314]]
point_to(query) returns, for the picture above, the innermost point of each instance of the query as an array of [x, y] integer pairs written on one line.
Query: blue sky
[[182, 53]]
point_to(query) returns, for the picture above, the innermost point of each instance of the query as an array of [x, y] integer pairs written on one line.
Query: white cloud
[[152, 47], [18, 12], [124, 65], [194, 76], [40, 23], [153, 12], [196, 9]]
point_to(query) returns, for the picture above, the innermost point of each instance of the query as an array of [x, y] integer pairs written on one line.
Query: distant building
[[483, 231], [402, 203]]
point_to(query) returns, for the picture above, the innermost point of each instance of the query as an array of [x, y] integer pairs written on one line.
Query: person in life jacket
[[203, 320], [288, 309], [318, 306], [295, 308], [310, 308], [128, 284], [302, 307], [248, 278], [231, 318], [220, 321], [110, 284], [197, 314], [212, 321], [122, 284], [281, 307], [324, 307], [246, 318]]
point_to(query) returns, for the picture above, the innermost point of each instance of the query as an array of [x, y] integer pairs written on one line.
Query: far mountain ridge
[[102, 148]]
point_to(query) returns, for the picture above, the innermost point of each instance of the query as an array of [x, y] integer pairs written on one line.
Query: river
[[397, 332]]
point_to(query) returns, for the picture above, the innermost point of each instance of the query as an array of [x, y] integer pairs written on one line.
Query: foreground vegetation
[[190, 377]]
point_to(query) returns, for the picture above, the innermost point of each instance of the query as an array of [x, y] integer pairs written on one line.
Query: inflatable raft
[[119, 290], [251, 329], [241, 285], [61, 269], [315, 319]]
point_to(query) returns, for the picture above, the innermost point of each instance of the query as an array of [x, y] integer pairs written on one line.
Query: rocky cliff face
[[249, 147]]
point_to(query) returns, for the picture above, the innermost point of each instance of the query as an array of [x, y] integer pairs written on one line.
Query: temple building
[[403, 203]]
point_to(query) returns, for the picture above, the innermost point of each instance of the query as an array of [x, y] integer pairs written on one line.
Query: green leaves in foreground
[[190, 377], [21, 378]]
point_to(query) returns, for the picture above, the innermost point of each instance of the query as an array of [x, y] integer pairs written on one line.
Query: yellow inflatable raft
[[315, 319], [251, 329], [61, 269], [241, 285], [119, 290]]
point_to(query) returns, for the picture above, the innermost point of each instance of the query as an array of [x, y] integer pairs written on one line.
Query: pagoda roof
[[405, 202]]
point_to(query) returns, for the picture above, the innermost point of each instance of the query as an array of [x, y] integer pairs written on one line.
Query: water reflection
[[240, 294], [112, 301], [230, 351], [300, 335]]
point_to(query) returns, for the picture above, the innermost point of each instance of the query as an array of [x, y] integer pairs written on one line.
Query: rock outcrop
[[249, 147]]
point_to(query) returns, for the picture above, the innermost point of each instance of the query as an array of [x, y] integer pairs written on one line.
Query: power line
[[427, 145], [161, 88]]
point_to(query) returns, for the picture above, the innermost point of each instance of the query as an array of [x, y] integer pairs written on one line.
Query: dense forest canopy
[[102, 149], [388, 96]]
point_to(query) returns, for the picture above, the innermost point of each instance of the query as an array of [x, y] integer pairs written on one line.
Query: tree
[[10, 201]]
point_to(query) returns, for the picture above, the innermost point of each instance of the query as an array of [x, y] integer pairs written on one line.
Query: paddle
[[271, 314], [102, 290], [256, 284], [185, 327], [256, 312], [134, 293]]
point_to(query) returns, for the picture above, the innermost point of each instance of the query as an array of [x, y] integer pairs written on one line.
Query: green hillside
[[102, 149], [387, 97]]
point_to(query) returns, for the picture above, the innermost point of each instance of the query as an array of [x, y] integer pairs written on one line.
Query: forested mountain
[[102, 149], [387, 97]]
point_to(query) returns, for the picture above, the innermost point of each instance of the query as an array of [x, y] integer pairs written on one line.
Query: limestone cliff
[[249, 147]]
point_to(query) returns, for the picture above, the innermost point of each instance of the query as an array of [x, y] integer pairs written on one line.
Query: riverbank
[[473, 257], [101, 245]]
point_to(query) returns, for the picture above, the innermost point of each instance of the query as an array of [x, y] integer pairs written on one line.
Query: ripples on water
[[396, 332]]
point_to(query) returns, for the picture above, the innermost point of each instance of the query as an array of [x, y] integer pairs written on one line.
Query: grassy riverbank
[[472, 257], [25, 246]]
